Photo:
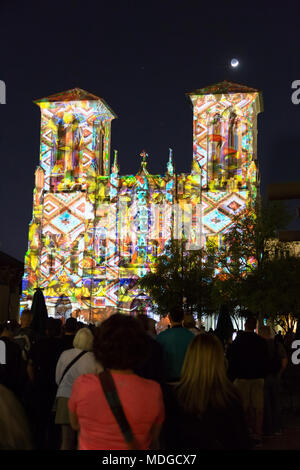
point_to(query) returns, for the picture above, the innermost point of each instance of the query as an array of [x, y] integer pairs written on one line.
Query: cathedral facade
[[94, 232]]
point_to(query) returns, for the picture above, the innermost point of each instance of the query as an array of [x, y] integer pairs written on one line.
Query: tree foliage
[[275, 291], [181, 277], [246, 256]]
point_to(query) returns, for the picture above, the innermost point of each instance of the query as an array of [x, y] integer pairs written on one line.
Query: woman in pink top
[[119, 346]]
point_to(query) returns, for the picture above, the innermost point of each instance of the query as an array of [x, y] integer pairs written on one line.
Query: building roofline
[[224, 87], [74, 94]]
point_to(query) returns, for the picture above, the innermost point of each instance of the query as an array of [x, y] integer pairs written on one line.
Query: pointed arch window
[[59, 149], [98, 144], [76, 146], [215, 141], [74, 259], [100, 246], [58, 156], [74, 263], [51, 263], [231, 151]]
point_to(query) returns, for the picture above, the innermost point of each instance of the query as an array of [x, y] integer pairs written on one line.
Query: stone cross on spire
[[144, 156]]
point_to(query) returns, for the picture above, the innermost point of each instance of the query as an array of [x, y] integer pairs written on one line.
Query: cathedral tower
[[74, 152], [225, 151]]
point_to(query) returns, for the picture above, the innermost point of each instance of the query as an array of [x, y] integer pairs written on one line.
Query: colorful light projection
[[94, 232]]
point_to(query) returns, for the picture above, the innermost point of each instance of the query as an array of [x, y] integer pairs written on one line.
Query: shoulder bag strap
[[70, 365], [115, 405]]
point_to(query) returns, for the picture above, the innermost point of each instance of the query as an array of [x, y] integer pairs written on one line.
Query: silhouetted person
[[70, 330], [152, 368], [277, 363], [13, 373], [279, 338], [248, 366], [44, 355], [26, 331], [190, 324], [15, 432]]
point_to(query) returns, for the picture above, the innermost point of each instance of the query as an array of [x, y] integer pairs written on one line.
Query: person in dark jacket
[[70, 330], [13, 372], [44, 355], [153, 366], [25, 328], [204, 410], [277, 363], [248, 362]]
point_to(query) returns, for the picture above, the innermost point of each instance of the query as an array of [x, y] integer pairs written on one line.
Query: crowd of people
[[122, 385]]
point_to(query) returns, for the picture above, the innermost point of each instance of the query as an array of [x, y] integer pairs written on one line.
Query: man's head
[[7, 329], [189, 321], [71, 326], [250, 324], [147, 323], [176, 316], [53, 327], [143, 320], [26, 318], [265, 332]]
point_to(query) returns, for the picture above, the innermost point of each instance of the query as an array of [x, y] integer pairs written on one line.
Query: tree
[[245, 251], [276, 291], [181, 277]]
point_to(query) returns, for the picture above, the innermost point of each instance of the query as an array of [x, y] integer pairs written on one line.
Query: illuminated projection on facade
[[95, 232]]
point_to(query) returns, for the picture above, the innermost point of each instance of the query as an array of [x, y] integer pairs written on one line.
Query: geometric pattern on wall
[[216, 221], [234, 204]]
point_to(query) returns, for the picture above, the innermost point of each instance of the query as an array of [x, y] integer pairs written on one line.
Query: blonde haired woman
[[71, 364], [204, 411]]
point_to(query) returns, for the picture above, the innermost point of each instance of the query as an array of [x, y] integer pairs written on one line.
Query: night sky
[[141, 57]]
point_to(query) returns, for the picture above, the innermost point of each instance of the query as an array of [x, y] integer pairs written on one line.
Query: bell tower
[[75, 134], [74, 155], [225, 151]]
